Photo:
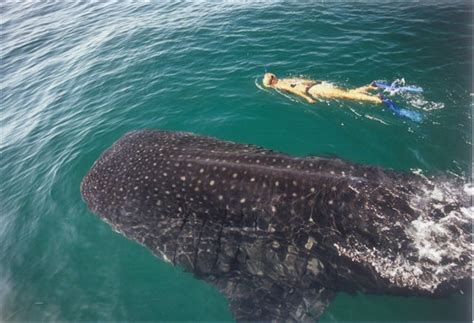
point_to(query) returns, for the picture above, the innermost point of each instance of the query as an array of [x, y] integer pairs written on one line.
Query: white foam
[[439, 246], [257, 84], [415, 100], [424, 234], [355, 112], [375, 119], [417, 171], [437, 194], [419, 102], [469, 189], [468, 213]]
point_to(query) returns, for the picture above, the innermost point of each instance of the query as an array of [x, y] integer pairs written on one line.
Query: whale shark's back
[[251, 220]]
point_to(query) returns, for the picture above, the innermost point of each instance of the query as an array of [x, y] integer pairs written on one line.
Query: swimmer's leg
[[365, 89], [364, 97], [335, 93]]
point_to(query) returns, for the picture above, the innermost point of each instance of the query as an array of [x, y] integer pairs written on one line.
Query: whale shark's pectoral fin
[[259, 299]]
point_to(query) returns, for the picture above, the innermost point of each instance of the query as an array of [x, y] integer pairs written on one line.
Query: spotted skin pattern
[[279, 235]]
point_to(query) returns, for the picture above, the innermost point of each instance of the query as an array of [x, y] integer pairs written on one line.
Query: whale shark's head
[[245, 215]]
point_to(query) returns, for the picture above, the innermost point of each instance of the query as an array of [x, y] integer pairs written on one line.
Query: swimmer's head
[[269, 79]]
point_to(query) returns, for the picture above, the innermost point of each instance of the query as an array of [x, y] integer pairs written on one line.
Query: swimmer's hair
[[269, 79]]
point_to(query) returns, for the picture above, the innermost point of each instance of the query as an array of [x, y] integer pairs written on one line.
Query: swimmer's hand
[[309, 99]]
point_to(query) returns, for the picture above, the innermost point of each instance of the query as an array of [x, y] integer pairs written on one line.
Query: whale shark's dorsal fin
[[261, 299]]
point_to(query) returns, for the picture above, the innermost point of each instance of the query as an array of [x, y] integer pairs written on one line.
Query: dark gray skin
[[278, 235]]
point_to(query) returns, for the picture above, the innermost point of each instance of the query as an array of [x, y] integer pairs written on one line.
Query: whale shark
[[280, 235]]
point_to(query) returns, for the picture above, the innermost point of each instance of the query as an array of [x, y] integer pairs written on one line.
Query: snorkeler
[[312, 90]]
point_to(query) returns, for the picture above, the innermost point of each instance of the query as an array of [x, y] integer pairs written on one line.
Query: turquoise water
[[76, 76]]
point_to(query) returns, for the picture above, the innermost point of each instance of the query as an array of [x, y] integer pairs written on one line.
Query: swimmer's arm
[[371, 86], [305, 96], [297, 92], [308, 98], [300, 81], [366, 88]]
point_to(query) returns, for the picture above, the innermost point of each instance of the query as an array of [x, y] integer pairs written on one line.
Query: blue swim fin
[[397, 88], [412, 115]]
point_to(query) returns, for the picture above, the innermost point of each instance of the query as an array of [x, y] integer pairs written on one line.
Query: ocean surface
[[75, 76]]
